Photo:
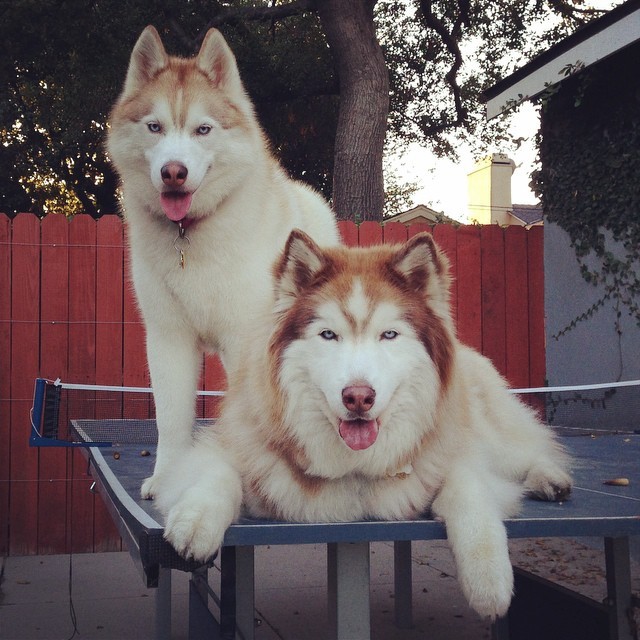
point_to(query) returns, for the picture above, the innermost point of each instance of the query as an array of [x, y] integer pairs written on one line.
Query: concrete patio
[[111, 602]]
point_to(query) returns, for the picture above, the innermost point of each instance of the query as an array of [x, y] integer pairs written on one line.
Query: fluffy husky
[[207, 210], [357, 401]]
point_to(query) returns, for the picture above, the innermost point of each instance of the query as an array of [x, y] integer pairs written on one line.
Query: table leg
[[403, 584], [348, 581], [618, 587], [163, 605], [245, 599]]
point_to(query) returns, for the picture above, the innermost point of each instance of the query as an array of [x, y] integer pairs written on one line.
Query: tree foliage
[[588, 181], [64, 62]]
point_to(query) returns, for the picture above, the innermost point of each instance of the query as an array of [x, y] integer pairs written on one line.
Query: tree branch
[[567, 10], [272, 12], [450, 41]]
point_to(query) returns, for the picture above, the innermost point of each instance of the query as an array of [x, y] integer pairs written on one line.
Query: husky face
[[357, 330], [178, 122]]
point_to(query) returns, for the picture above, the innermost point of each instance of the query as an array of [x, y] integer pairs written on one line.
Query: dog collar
[[402, 473], [184, 224], [182, 242]]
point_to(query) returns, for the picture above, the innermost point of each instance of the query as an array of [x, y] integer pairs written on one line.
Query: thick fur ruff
[[357, 401], [185, 141]]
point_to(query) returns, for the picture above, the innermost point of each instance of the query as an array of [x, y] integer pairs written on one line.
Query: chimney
[[489, 189]]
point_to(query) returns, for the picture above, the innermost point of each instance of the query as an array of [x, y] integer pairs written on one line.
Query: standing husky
[[207, 210], [359, 402]]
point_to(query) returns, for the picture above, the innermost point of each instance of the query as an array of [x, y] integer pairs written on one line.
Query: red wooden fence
[[67, 310]]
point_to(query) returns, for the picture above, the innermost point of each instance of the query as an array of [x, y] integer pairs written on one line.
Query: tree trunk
[[358, 186]]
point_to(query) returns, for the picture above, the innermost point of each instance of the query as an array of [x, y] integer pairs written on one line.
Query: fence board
[[135, 372], [25, 336], [82, 367], [537, 361], [516, 307], [446, 237], [213, 379], [493, 295], [5, 380], [468, 290], [88, 329], [109, 341], [418, 227], [348, 232], [394, 232], [54, 347], [370, 233]]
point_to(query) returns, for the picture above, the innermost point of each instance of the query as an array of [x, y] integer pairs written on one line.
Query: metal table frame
[[612, 513]]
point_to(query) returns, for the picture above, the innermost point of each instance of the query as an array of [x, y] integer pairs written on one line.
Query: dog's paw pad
[[148, 490], [490, 591], [194, 530], [552, 484]]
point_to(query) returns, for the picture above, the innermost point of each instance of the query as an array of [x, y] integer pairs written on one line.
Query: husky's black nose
[[358, 398], [174, 174]]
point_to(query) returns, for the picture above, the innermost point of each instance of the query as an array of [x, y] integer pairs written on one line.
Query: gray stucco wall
[[591, 352]]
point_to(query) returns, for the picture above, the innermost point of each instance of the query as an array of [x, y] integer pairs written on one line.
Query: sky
[[443, 183]]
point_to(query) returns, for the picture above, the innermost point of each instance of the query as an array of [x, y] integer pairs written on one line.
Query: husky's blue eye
[[327, 334], [154, 127], [203, 129], [389, 335]]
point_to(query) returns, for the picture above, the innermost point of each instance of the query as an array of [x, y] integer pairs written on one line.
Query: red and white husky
[[357, 401], [207, 211]]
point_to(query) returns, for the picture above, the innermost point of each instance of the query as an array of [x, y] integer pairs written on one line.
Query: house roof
[[527, 213], [598, 39], [419, 211]]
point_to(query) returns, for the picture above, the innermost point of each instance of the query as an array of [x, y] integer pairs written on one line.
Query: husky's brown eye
[[154, 127], [389, 335], [327, 334], [203, 129]]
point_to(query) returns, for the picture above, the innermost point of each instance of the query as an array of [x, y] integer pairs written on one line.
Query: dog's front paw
[[149, 488], [487, 582], [550, 482], [195, 526]]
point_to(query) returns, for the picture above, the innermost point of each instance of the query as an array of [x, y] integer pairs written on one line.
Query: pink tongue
[[175, 204], [358, 434]]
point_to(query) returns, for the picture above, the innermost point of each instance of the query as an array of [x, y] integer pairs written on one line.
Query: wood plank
[[135, 370], [493, 296], [517, 311], [418, 227], [370, 233], [348, 232], [109, 340], [54, 347], [5, 379], [214, 379], [468, 300], [446, 236], [394, 233], [537, 356], [25, 336], [82, 369]]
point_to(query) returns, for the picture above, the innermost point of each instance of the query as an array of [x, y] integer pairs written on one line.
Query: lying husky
[[357, 401], [207, 211]]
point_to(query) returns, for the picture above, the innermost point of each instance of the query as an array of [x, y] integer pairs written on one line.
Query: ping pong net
[[611, 407], [61, 411], [78, 415]]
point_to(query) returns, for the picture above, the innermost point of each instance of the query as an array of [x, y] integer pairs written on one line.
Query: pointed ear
[[216, 60], [424, 267], [301, 262], [148, 58]]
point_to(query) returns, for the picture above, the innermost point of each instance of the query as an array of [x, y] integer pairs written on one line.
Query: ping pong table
[[594, 509]]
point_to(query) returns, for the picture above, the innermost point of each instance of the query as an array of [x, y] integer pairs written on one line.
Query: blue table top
[[593, 509]]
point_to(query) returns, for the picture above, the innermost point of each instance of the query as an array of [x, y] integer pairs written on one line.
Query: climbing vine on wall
[[589, 181]]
